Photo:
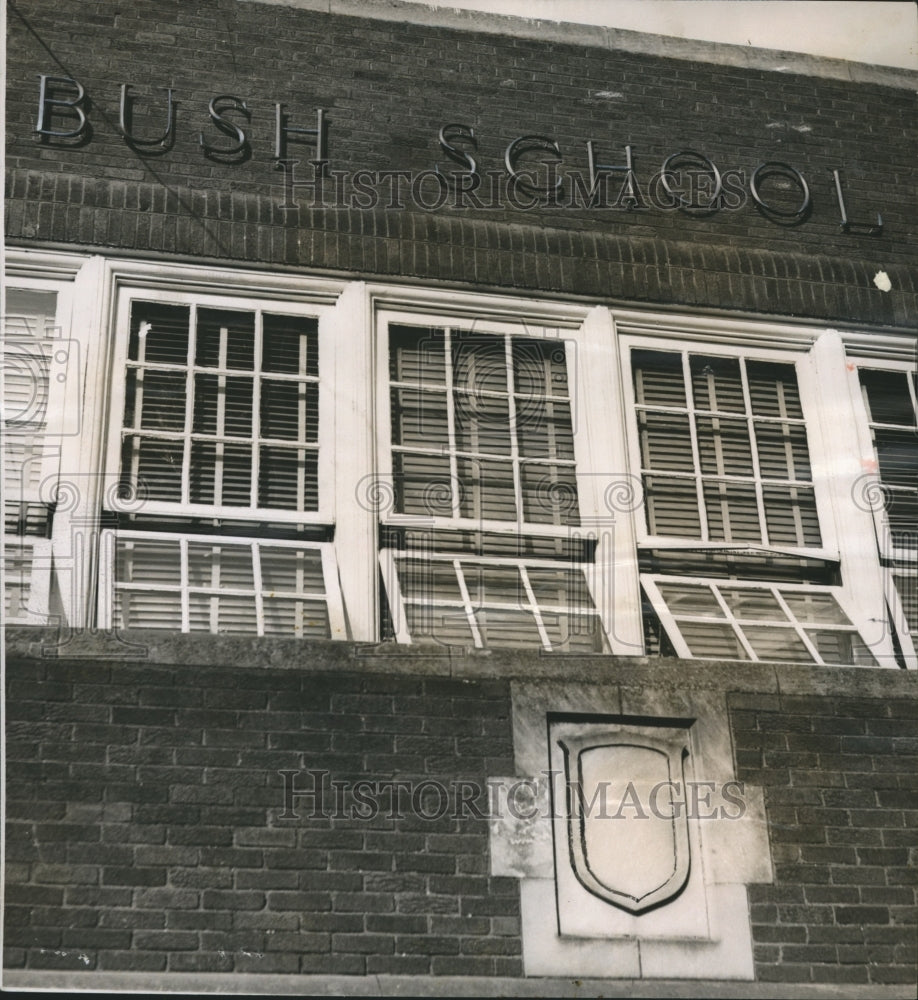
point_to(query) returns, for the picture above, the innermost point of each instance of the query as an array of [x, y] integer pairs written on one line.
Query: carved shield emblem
[[627, 828]]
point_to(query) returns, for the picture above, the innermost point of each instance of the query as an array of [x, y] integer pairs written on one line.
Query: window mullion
[[467, 602], [259, 589], [534, 607], [255, 457], [513, 430], [189, 404], [696, 450], [754, 453]]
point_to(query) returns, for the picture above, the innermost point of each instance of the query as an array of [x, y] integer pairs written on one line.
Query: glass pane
[[291, 570], [161, 396], [733, 513], [482, 423], [897, 452], [560, 588], [428, 580], [222, 405], [416, 355], [146, 609], [479, 362], [821, 608], [422, 484], [774, 643], [290, 410], [574, 633], [717, 384], [842, 648], [549, 494], [508, 629], [419, 418], [446, 626], [489, 584], [155, 561], [290, 344], [902, 514], [672, 507], [159, 333], [712, 640], [487, 489], [543, 429], [306, 619], [723, 447], [773, 390], [159, 467], [223, 613], [888, 398], [658, 378], [225, 339], [666, 441], [690, 599], [288, 478], [753, 605], [220, 566], [783, 452], [539, 367], [790, 513]]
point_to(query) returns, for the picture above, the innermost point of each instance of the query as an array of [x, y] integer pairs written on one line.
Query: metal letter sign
[[627, 835]]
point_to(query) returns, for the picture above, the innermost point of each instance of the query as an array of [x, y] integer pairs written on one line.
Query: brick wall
[[388, 88], [143, 829], [148, 829], [840, 778]]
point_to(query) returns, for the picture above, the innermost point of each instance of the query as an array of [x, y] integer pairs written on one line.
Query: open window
[[737, 551], [219, 518], [37, 361], [889, 392], [480, 546]]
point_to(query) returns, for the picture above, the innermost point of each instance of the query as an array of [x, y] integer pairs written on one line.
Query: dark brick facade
[[147, 828], [146, 825], [388, 88], [840, 778]]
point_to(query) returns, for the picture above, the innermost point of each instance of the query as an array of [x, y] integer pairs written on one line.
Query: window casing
[[480, 544], [219, 521]]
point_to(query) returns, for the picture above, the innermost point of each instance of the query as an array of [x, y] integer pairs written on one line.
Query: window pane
[[717, 384], [753, 605], [777, 644], [156, 561], [783, 452], [539, 368], [158, 398], [712, 640], [290, 345], [842, 648], [290, 410], [773, 390], [302, 619], [222, 405], [733, 513], [159, 333], [291, 570], [140, 609], [790, 514], [479, 362], [692, 600], [482, 424], [419, 419], [508, 629], [658, 378], [672, 507], [666, 441], [487, 489], [416, 355], [723, 447], [225, 339], [220, 566], [815, 607], [223, 613], [158, 465], [288, 478], [422, 484], [888, 398], [549, 494], [897, 452]]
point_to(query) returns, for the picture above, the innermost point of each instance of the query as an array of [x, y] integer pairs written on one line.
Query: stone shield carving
[[626, 823]]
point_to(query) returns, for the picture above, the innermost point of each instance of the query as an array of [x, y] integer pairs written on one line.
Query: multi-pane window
[[723, 449], [218, 498], [733, 556], [891, 399], [482, 441], [33, 349], [221, 408], [481, 426]]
